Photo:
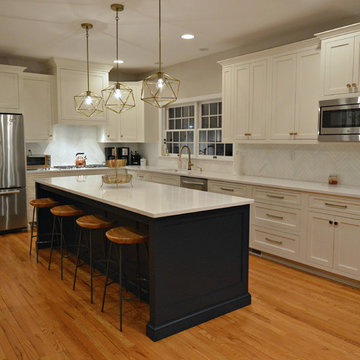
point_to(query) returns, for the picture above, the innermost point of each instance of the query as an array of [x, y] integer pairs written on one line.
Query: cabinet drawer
[[334, 204], [228, 188], [165, 179], [278, 197], [276, 243], [279, 218]]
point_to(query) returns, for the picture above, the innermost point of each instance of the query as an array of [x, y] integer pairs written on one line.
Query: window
[[198, 125], [181, 128]]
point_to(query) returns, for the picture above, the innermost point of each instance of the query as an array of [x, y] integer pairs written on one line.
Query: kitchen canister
[[143, 163]]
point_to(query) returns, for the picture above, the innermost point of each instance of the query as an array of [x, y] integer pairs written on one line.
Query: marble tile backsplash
[[301, 162]]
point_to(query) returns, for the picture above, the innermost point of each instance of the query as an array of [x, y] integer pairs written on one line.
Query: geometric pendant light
[[118, 97], [160, 89], [88, 103]]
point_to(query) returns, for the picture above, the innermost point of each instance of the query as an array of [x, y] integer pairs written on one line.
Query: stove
[[71, 167]]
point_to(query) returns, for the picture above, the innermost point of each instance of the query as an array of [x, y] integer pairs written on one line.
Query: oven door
[[340, 120]]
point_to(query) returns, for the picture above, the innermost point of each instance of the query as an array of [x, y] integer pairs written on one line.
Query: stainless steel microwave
[[339, 120]]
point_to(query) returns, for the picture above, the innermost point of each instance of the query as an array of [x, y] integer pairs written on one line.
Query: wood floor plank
[[293, 316]]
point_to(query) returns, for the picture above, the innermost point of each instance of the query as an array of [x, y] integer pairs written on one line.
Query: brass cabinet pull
[[273, 240], [275, 216], [330, 222], [348, 86], [295, 133], [336, 205], [354, 85], [291, 133], [336, 223], [226, 189], [275, 196], [247, 134]]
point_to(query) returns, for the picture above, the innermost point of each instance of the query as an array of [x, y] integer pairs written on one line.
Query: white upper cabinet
[[11, 88], [139, 124], [38, 104], [307, 95], [70, 81], [272, 96], [283, 96], [340, 61]]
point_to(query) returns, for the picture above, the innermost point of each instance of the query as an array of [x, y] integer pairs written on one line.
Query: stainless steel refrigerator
[[12, 173]]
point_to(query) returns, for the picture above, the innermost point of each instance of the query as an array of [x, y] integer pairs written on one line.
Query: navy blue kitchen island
[[198, 244]]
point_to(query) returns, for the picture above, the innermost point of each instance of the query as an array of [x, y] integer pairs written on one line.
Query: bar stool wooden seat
[[60, 212], [42, 203], [89, 223], [123, 236]]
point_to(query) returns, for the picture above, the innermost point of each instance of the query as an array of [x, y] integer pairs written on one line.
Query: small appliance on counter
[[80, 160], [135, 158], [34, 162], [122, 154]]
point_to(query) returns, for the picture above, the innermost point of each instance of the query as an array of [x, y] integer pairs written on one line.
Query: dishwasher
[[193, 183]]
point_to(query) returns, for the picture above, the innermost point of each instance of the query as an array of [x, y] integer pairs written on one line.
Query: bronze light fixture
[[160, 89], [88, 103], [118, 97]]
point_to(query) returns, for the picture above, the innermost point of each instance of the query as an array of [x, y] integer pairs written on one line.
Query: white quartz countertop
[[146, 198], [72, 169], [308, 186]]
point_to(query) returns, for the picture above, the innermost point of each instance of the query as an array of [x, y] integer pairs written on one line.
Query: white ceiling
[[45, 28]]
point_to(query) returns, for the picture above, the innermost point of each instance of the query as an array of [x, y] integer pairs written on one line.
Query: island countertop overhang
[[145, 198]]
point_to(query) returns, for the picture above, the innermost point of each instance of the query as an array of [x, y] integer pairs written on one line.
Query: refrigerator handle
[[9, 192]]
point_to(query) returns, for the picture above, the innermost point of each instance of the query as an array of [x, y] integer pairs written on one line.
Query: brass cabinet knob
[[330, 222], [348, 86], [295, 133], [291, 133], [121, 135], [247, 134], [108, 135], [50, 135], [354, 85]]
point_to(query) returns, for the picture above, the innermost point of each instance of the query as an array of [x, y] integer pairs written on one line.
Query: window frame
[[197, 102]]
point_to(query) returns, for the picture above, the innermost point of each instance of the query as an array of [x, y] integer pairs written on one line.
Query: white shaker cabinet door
[[283, 97], [347, 246], [307, 95], [241, 101], [258, 100], [338, 66], [112, 128], [38, 106], [320, 240], [130, 119]]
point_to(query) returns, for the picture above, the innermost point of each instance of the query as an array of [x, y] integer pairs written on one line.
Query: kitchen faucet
[[189, 152]]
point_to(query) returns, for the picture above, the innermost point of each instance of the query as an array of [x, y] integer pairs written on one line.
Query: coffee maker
[[122, 153]]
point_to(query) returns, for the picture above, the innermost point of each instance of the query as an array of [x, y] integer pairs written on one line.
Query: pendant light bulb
[[88, 103], [118, 97], [160, 89]]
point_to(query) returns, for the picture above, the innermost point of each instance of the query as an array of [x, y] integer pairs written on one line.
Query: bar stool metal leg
[[91, 266], [120, 281], [107, 276], [78, 258], [52, 241], [32, 229]]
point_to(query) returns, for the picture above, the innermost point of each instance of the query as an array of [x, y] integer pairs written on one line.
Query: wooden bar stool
[[89, 223], [123, 235], [43, 203], [60, 212]]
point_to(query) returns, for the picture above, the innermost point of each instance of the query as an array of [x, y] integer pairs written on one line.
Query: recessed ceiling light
[[118, 61], [187, 36]]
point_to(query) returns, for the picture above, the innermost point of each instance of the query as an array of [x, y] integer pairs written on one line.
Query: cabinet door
[[9, 92], [338, 66], [73, 82], [129, 119], [38, 107], [283, 96], [227, 93], [356, 72], [241, 101], [347, 246], [307, 95], [112, 128], [320, 240], [258, 99]]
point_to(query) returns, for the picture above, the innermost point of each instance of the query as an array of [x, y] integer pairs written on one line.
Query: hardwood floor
[[293, 315]]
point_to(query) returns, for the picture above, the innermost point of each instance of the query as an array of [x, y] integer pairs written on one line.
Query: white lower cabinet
[[334, 243], [164, 179]]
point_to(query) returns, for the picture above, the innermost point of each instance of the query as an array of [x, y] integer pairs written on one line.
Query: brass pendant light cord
[[159, 35], [117, 45], [87, 58]]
